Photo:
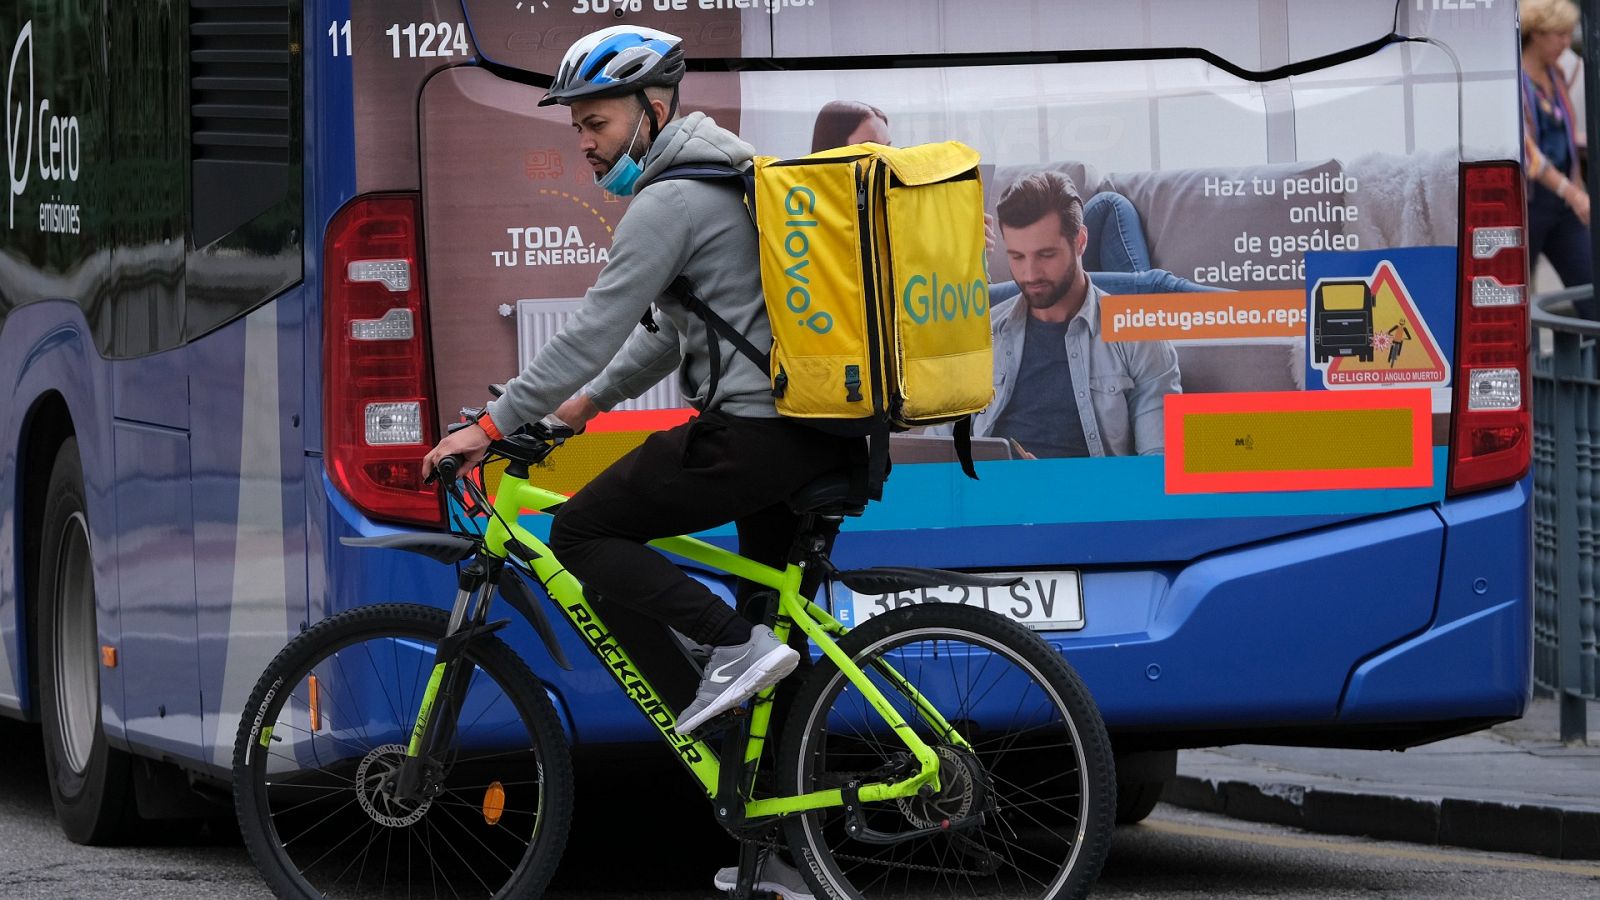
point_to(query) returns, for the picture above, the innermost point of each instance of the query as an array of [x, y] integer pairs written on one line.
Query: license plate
[[1045, 601]]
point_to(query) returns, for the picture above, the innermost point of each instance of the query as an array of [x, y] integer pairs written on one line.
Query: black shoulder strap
[[682, 290], [746, 179], [706, 172]]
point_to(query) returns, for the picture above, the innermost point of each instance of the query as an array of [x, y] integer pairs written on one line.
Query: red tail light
[[1493, 433], [378, 397]]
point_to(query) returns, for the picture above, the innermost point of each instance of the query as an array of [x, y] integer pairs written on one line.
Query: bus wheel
[[89, 780], [1136, 800]]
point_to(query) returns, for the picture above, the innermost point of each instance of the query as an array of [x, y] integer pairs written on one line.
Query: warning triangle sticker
[[1367, 332]]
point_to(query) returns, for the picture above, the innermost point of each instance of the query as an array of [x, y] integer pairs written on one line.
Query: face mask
[[625, 172]]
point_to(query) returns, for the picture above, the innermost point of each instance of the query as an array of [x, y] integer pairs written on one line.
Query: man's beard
[[1047, 298]]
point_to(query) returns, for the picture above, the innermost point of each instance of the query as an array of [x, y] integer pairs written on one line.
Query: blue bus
[[257, 254]]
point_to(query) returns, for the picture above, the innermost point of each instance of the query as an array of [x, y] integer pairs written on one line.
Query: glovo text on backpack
[[874, 270]]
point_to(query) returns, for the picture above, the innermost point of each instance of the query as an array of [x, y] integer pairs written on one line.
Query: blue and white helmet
[[616, 62]]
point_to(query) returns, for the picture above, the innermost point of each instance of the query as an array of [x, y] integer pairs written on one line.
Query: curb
[[1506, 828]]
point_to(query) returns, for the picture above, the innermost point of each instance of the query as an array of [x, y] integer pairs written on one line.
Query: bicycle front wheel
[[1028, 785], [324, 734]]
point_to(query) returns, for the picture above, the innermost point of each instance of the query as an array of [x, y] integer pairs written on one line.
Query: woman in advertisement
[[1558, 204]]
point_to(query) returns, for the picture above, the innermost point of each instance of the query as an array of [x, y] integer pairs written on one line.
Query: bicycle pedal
[[723, 721]]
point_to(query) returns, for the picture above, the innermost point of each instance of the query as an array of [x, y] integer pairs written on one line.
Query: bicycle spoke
[[452, 848], [361, 751], [1021, 790], [344, 682], [325, 853], [376, 676], [433, 863], [458, 803]]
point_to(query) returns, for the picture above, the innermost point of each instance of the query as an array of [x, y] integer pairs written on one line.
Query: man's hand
[[471, 443], [988, 233], [577, 412]]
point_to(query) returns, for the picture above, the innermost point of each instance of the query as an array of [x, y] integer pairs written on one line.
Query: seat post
[[813, 541]]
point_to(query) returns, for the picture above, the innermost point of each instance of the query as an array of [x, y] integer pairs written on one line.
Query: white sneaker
[[735, 674], [775, 877]]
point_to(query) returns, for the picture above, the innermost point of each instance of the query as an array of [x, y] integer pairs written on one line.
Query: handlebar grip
[[448, 468]]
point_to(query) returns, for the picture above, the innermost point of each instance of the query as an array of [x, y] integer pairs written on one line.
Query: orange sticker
[[1191, 316], [1298, 441], [640, 420]]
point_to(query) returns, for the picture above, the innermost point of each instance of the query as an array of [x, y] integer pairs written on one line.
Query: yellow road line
[[1290, 842]]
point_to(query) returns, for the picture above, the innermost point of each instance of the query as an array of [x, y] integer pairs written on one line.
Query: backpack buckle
[[852, 383]]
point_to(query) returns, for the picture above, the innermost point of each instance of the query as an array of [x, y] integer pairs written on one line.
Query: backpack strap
[[682, 290], [745, 178]]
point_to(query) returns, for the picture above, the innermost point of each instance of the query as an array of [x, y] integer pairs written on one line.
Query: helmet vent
[[599, 64]]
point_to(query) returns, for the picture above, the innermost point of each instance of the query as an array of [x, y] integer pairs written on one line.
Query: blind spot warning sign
[[1366, 332]]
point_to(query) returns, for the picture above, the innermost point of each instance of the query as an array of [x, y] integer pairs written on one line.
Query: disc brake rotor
[[375, 774], [961, 795]]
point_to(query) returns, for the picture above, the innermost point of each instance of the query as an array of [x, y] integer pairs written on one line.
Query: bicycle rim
[[1024, 773], [333, 732]]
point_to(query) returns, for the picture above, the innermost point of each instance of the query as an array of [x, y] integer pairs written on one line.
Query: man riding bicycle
[[738, 460]]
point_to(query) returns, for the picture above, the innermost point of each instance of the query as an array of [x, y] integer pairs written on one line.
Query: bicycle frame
[[516, 494]]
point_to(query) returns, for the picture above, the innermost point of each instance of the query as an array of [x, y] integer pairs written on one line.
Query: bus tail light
[[1492, 437], [378, 403]]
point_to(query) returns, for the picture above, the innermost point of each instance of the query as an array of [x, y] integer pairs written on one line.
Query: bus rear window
[[1344, 296]]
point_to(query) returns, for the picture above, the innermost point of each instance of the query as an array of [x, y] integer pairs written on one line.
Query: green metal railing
[[1566, 505]]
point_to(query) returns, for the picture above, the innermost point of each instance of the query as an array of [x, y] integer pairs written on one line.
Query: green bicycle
[[934, 750]]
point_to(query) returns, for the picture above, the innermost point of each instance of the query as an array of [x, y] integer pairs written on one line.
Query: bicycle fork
[[435, 725]]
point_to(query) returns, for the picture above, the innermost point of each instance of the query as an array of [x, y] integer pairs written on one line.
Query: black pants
[[707, 472], [1555, 231]]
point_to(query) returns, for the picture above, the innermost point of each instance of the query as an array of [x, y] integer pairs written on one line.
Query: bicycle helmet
[[616, 62]]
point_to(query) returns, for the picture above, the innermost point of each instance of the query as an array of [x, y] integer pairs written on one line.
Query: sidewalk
[[1514, 788]]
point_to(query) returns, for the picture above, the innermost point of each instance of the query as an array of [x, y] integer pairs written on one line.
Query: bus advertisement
[[258, 256]]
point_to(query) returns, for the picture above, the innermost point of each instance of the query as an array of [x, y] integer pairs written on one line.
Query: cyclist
[[738, 460]]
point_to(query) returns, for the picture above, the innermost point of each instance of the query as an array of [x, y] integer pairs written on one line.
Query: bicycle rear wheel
[[1021, 710], [327, 726]]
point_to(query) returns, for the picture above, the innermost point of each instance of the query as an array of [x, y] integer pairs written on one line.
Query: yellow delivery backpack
[[873, 267]]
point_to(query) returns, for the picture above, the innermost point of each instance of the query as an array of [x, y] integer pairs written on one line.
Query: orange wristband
[[486, 422]]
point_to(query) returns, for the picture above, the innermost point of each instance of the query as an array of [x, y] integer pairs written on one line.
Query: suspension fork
[[435, 724]]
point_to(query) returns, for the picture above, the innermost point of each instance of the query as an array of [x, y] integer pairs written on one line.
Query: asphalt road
[[1175, 855]]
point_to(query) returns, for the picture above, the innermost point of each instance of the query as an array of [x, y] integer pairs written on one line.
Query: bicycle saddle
[[828, 495]]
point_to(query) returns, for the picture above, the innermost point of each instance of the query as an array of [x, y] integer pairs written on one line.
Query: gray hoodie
[[693, 228]]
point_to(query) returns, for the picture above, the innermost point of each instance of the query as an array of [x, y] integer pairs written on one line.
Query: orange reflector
[[494, 803], [316, 709], [108, 656]]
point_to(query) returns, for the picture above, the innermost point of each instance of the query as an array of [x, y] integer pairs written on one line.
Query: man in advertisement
[[1061, 391]]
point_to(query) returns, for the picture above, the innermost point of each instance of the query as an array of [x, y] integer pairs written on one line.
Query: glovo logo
[[801, 205], [928, 299]]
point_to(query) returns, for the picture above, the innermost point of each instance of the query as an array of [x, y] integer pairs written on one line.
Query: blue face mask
[[625, 172]]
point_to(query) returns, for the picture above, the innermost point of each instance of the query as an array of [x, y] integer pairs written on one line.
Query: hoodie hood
[[694, 139]]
